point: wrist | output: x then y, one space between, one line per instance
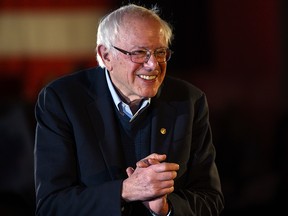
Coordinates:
168 211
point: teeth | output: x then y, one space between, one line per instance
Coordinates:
146 77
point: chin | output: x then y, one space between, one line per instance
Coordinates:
150 95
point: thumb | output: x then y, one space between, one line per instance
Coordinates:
155 156
129 171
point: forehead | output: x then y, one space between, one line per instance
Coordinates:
141 31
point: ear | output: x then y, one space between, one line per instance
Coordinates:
105 56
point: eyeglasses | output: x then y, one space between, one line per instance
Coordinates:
143 55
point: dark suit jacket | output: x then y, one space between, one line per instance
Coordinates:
79 167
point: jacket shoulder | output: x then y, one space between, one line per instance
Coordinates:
83 76
77 84
180 88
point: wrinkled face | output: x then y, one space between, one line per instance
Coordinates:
134 80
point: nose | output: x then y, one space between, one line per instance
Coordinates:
151 61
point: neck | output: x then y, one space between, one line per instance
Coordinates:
134 105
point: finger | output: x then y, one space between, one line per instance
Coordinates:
166 176
129 171
150 160
146 162
165 167
143 163
159 157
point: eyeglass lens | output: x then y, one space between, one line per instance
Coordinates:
141 56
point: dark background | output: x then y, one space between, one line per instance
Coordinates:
234 50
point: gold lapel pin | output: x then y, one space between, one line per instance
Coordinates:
163 131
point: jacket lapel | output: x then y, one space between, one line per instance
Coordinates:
104 121
163 118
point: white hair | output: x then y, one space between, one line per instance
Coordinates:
109 25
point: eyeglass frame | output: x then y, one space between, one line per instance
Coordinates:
148 54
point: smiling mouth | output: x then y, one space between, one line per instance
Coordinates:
147 77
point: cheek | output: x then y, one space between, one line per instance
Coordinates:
123 63
125 71
163 70
118 67
163 67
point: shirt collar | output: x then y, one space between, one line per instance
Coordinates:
121 106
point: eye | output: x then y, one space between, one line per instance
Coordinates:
161 52
139 53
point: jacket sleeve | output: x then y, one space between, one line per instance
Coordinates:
198 190
59 190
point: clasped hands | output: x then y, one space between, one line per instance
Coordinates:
150 182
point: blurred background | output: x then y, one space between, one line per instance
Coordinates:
234 50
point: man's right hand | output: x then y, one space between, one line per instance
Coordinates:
150 182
